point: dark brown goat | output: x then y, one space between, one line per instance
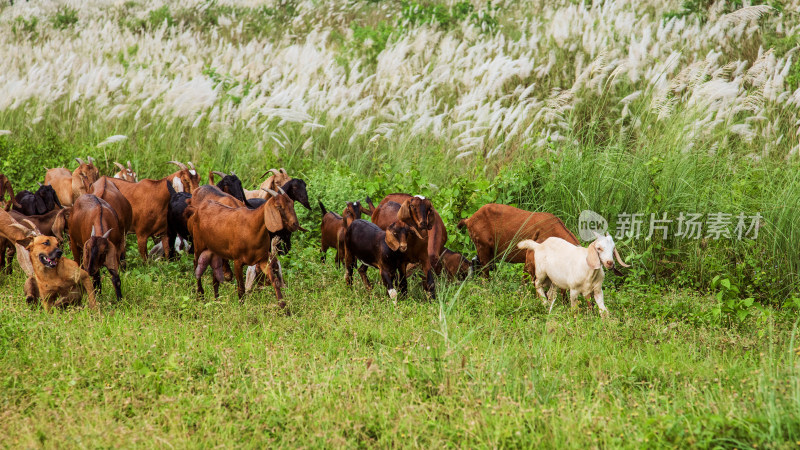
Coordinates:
149 200
496 229
333 227
97 239
383 250
240 235
6 189
455 265
52 223
429 231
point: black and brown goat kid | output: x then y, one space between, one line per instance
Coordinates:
384 250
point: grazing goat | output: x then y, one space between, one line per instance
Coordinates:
105 189
126 173
241 235
97 239
571 267
54 280
5 188
429 231
34 204
69 186
333 227
495 230
149 200
384 250
455 265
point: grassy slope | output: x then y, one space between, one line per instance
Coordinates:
486 366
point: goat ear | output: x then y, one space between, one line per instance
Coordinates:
58 224
272 218
592 257
404 214
391 241
431 219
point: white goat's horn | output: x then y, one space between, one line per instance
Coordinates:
280 189
108 232
92 235
270 192
222 174
283 171
619 260
191 166
80 161
119 166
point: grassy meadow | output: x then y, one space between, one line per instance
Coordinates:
651 107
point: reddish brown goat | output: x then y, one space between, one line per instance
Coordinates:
428 227
238 234
52 223
69 186
6 189
455 265
13 233
496 229
97 239
105 189
334 226
149 200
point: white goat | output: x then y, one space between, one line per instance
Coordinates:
578 269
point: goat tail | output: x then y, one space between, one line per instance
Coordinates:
322 207
528 244
462 223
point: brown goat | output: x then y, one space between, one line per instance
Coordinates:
496 229
149 200
126 173
333 228
69 186
241 235
418 212
5 188
52 223
97 239
455 265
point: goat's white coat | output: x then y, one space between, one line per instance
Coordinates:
571 267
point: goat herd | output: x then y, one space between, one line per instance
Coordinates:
225 222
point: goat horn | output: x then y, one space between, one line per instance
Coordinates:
80 161
270 192
92 234
32 226
282 170
274 171
280 189
191 166
108 232
130 166
222 174
178 163
40 184
91 160
619 260
119 166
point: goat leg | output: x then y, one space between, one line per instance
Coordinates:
201 262
116 282
403 280
141 242
217 274
238 271
388 282
362 270
96 282
168 252
275 279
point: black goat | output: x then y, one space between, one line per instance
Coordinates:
176 222
41 202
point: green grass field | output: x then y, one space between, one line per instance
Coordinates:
639 107
483 366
